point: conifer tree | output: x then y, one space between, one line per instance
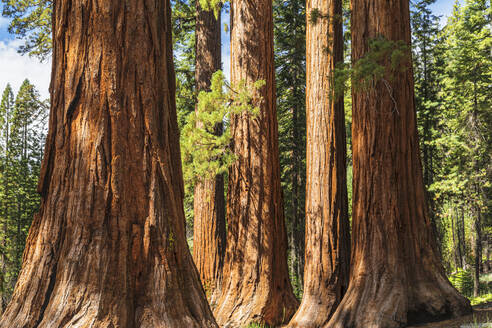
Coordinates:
466 122
23 132
290 65
6 188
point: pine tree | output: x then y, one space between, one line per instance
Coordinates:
23 134
6 192
31 21
425 41
290 64
465 136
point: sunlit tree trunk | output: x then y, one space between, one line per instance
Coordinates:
209 228
256 285
327 226
108 247
396 275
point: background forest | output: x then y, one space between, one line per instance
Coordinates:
453 79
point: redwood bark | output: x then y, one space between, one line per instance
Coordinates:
209 228
327 226
396 275
256 285
108 247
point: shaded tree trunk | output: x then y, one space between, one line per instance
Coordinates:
327 225
396 275
456 248
256 285
108 247
209 228
478 251
297 229
461 239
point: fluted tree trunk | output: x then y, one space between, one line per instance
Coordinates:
209 228
396 275
108 247
327 226
256 285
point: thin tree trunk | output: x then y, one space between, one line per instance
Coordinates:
297 254
461 239
108 247
478 252
5 207
396 276
327 225
456 248
256 285
209 228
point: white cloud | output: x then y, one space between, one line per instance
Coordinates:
14 68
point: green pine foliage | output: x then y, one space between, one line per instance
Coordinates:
31 21
23 123
206 153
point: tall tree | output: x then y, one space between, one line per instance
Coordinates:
22 134
209 228
108 247
256 285
27 141
327 225
425 40
6 112
396 275
467 119
290 63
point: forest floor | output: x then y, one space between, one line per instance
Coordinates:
481 318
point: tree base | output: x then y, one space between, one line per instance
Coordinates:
384 302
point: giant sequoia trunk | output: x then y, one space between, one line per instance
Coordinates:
327 226
256 285
209 230
396 275
108 248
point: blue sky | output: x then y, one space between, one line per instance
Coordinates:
14 68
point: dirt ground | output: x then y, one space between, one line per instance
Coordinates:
481 318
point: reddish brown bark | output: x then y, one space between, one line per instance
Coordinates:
396 275
209 228
327 226
256 285
108 247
